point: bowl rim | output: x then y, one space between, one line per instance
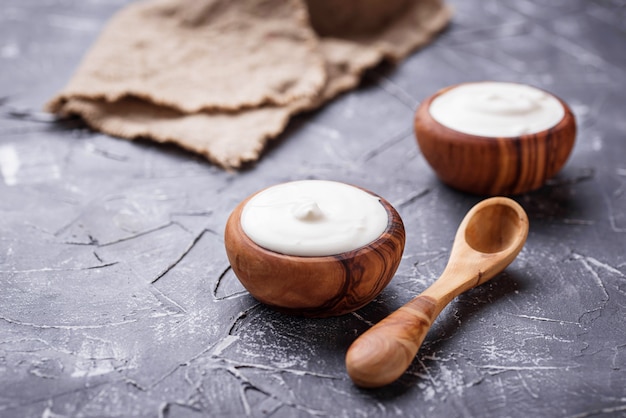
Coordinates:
444 132
395 225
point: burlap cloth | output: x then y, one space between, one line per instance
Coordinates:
222 77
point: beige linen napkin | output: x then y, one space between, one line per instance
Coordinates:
221 77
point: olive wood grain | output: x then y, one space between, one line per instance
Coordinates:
488 239
315 286
493 166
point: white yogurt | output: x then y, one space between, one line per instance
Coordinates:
497 109
313 218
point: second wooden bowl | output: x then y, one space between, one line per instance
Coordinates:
318 286
493 166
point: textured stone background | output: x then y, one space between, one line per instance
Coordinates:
116 297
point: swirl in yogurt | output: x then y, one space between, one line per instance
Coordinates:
497 109
313 218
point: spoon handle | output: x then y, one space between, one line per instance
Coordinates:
386 350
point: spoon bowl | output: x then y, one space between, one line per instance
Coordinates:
489 238
493 227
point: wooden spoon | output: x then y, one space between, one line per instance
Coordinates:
489 238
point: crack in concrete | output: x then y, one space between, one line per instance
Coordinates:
186 251
66 327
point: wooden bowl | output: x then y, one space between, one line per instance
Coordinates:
318 286
493 166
